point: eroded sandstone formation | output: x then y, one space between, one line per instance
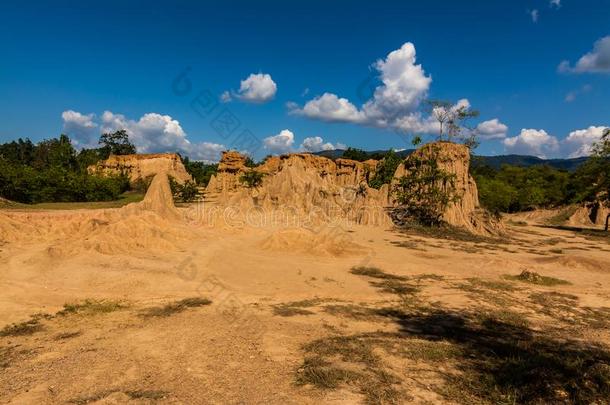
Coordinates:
307 188
143 166
591 214
321 189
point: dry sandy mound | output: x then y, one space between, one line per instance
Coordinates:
593 214
152 224
327 241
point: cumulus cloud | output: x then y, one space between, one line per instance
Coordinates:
532 142
81 128
578 143
284 142
491 129
316 144
394 103
151 133
539 143
280 143
595 61
256 88
329 107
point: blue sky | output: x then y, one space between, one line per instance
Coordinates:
86 67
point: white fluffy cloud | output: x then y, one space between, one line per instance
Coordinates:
256 88
280 143
284 143
394 103
151 133
539 143
578 143
595 61
330 107
81 128
316 144
532 142
492 129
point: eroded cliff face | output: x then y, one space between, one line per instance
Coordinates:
142 166
320 189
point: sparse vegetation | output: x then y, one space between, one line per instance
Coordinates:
67 335
384 172
154 395
297 307
175 307
92 307
532 277
184 192
22 328
252 178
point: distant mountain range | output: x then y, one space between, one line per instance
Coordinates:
493 161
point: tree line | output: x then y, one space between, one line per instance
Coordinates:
53 171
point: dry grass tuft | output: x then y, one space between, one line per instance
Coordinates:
174 307
92 307
532 277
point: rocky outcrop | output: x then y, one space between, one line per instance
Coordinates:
305 187
321 189
143 166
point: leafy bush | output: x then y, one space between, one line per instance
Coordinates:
185 192
384 173
252 179
426 190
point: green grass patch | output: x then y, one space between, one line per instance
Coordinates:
125 198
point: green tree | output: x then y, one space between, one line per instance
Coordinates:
200 171
384 172
116 143
426 190
355 154
252 178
